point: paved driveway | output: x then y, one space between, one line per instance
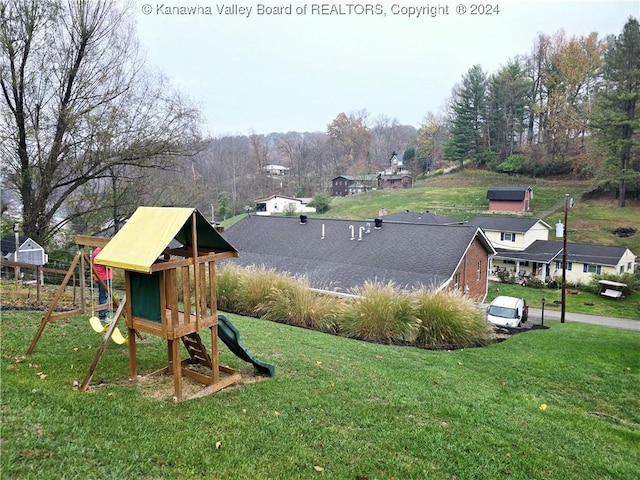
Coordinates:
535 316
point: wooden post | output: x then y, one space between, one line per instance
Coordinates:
564 260
194 248
174 348
133 363
39 278
83 300
54 303
103 346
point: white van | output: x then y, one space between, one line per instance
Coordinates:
508 311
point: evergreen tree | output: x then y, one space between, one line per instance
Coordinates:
508 97
617 120
468 132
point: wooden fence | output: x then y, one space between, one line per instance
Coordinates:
34 273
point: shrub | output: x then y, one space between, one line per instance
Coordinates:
227 288
631 281
321 202
379 313
504 276
449 320
296 304
535 282
244 290
256 284
512 165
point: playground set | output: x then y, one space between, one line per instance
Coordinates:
168 255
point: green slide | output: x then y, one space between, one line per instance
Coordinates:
228 333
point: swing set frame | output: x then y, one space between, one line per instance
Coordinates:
81 260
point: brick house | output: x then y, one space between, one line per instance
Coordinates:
339 255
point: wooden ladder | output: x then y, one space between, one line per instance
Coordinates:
197 351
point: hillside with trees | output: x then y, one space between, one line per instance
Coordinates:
98 132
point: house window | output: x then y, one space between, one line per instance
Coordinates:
621 269
559 265
456 281
507 236
591 268
479 271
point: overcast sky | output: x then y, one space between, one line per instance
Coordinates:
250 72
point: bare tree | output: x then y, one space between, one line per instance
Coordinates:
77 104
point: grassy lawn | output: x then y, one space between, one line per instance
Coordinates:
577 302
464 195
337 408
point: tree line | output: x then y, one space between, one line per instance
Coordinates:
89 132
567 107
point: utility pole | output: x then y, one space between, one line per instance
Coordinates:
564 259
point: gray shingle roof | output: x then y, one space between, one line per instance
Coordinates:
507 193
358 178
546 251
8 243
505 224
407 254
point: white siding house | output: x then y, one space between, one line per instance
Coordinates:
280 204
524 251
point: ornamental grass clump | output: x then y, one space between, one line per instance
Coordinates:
227 287
448 320
379 313
256 284
243 290
296 304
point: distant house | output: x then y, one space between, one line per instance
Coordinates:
29 251
396 166
395 175
344 185
283 204
523 249
395 181
510 199
512 233
276 170
339 255
543 260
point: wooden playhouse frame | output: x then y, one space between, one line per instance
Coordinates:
171 294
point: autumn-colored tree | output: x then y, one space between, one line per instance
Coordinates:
349 139
572 71
617 119
431 139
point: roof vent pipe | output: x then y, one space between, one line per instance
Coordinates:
378 223
303 219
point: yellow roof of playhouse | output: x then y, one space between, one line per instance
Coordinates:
150 230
